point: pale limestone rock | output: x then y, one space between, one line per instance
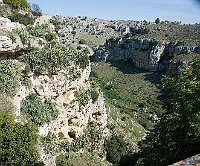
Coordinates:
44 19
6 24
5 44
154 57
72 117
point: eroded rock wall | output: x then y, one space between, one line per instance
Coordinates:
145 53
73 117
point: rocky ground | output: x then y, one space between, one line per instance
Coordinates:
192 161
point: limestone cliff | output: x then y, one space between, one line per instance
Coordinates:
145 53
68 87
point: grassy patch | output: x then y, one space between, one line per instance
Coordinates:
131 94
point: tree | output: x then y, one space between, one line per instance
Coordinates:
115 149
18 142
157 21
177 136
36 10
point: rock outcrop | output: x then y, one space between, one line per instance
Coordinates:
60 88
73 115
144 53
192 161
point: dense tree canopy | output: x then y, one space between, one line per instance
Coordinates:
115 149
177 136
18 142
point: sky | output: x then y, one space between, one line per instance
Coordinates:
187 11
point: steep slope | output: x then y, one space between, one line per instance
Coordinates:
50 86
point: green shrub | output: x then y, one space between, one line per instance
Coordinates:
73 32
55 23
13 3
82 97
50 143
9 77
115 149
47 61
62 160
82 41
78 144
18 142
94 136
25 19
24 80
42 31
79 48
157 21
82 60
5 104
154 42
60 135
17 4
24 4
39 112
1 11
49 36
94 95
24 35
53 144
50 61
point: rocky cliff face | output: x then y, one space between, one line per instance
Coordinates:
73 115
71 95
145 53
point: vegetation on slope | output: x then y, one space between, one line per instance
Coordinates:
115 149
131 97
39 112
18 142
131 90
84 150
177 136
11 8
51 60
17 4
9 77
131 94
